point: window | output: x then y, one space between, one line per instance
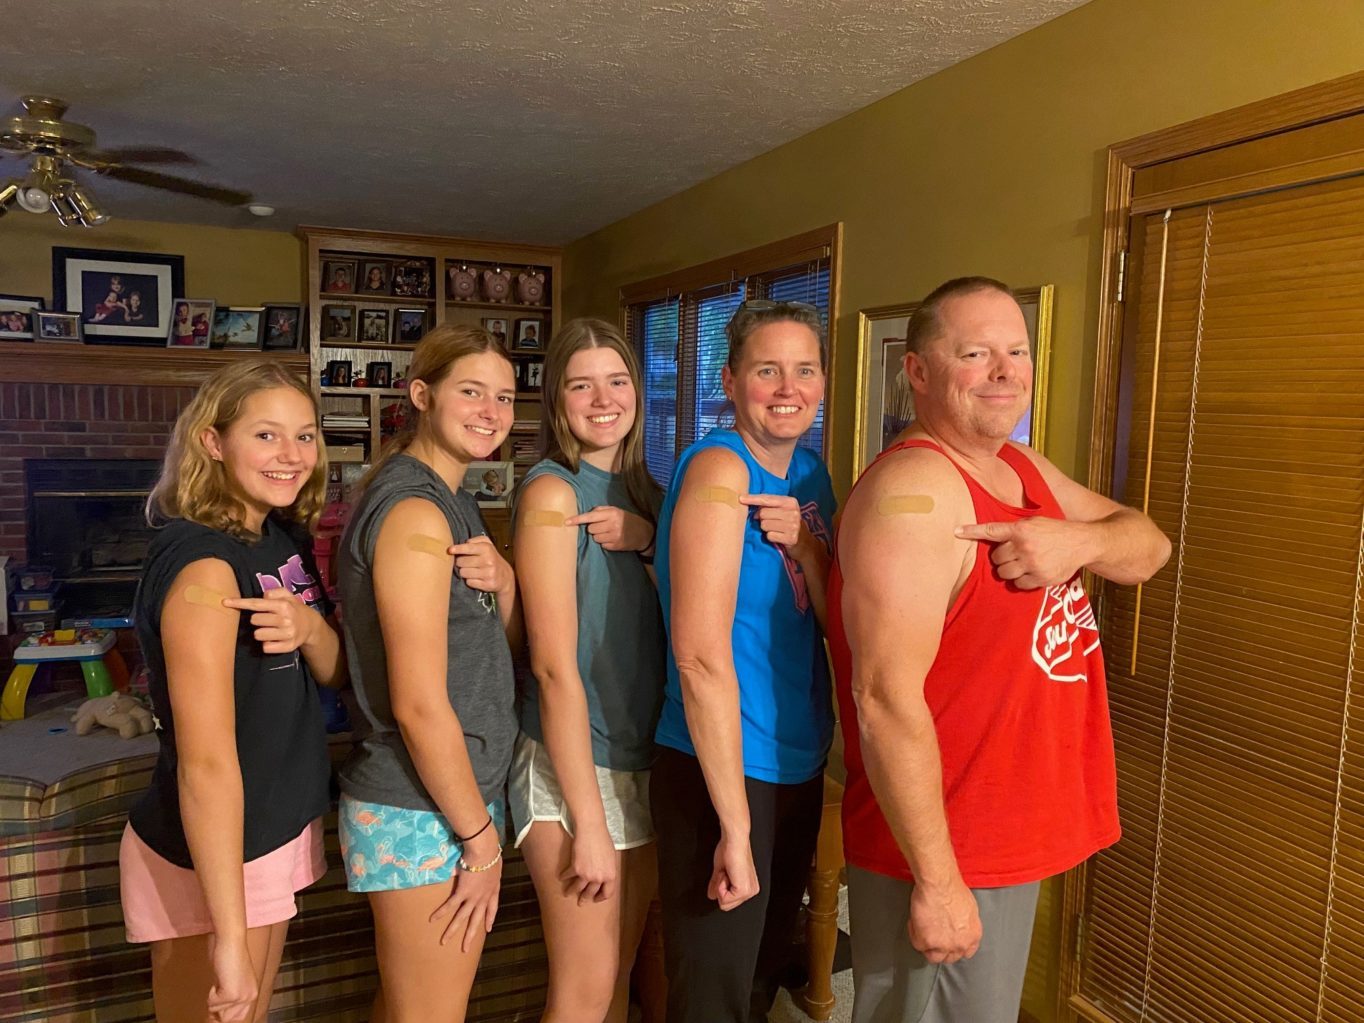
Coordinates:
678 325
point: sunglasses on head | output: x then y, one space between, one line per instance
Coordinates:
762 305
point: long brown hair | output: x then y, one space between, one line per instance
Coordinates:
194 486
432 360
559 442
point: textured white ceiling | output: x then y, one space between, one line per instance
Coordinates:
514 119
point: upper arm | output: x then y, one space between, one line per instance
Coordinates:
200 645
1078 502
705 551
547 573
901 571
412 595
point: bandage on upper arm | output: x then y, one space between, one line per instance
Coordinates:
717 495
542 517
204 597
424 544
905 504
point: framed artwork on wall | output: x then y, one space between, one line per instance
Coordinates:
885 402
122 297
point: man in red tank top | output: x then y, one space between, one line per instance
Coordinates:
969 675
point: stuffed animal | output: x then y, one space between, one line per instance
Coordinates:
118 711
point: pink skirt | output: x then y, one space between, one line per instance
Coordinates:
161 900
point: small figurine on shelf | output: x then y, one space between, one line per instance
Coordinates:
496 285
462 285
400 381
530 287
359 381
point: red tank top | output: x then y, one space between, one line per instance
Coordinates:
1018 698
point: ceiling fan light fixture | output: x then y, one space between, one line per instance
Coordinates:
85 207
41 186
7 194
65 208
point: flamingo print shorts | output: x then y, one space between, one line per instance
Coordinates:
387 848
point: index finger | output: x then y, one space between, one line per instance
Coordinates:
992 532
249 603
597 514
765 500
473 545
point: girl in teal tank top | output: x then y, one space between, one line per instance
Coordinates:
579 788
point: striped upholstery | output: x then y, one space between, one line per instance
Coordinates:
63 958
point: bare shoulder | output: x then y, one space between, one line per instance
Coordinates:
716 467
919 479
416 515
547 492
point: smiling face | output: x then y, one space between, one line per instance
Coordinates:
468 414
975 378
268 452
599 403
778 384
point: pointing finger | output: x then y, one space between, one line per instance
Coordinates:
592 515
992 532
764 500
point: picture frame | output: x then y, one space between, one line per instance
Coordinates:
409 326
529 374
237 327
338 322
379 374
282 327
375 277
374 326
338 276
498 327
884 404
122 297
530 335
58 327
191 323
339 373
411 279
489 483
16 316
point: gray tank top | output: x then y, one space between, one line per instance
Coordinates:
621 654
478 679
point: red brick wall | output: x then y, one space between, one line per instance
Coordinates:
75 421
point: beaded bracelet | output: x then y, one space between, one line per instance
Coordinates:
464 866
486 824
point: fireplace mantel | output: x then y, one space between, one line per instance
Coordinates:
44 363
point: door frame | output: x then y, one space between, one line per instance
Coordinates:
1340 97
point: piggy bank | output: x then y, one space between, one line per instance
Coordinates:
530 287
463 283
496 285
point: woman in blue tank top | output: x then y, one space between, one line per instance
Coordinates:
743 555
580 778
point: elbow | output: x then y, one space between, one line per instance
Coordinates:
554 678
1161 555
697 670
415 716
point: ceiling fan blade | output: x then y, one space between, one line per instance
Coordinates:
138 154
200 190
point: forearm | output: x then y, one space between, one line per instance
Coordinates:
568 737
710 698
509 612
325 654
435 741
211 810
1126 547
814 563
900 753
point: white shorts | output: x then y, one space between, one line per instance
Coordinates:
533 794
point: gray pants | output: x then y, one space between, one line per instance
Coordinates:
893 983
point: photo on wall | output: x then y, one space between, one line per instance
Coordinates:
490 483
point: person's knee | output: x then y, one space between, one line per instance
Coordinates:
583 994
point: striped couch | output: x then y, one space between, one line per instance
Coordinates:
63 958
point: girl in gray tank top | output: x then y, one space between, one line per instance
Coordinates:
427 606
579 781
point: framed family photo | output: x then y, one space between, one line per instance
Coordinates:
122 297
408 326
191 323
885 401
61 327
338 323
282 327
490 483
338 276
374 326
16 316
530 335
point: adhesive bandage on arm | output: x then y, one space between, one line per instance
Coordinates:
424 544
718 495
542 517
204 597
905 504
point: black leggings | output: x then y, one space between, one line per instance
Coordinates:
723 967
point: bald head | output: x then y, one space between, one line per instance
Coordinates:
926 324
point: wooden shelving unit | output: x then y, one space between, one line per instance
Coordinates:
441 253
33 361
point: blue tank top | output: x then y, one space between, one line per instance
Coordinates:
784 696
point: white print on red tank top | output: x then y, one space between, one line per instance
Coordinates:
1066 633
809 514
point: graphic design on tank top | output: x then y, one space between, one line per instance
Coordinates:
1066 633
814 522
294 578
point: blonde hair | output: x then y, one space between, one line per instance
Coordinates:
194 486
559 442
435 354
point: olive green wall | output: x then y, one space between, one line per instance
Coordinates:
994 166
231 266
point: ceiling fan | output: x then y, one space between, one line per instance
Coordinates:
54 147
